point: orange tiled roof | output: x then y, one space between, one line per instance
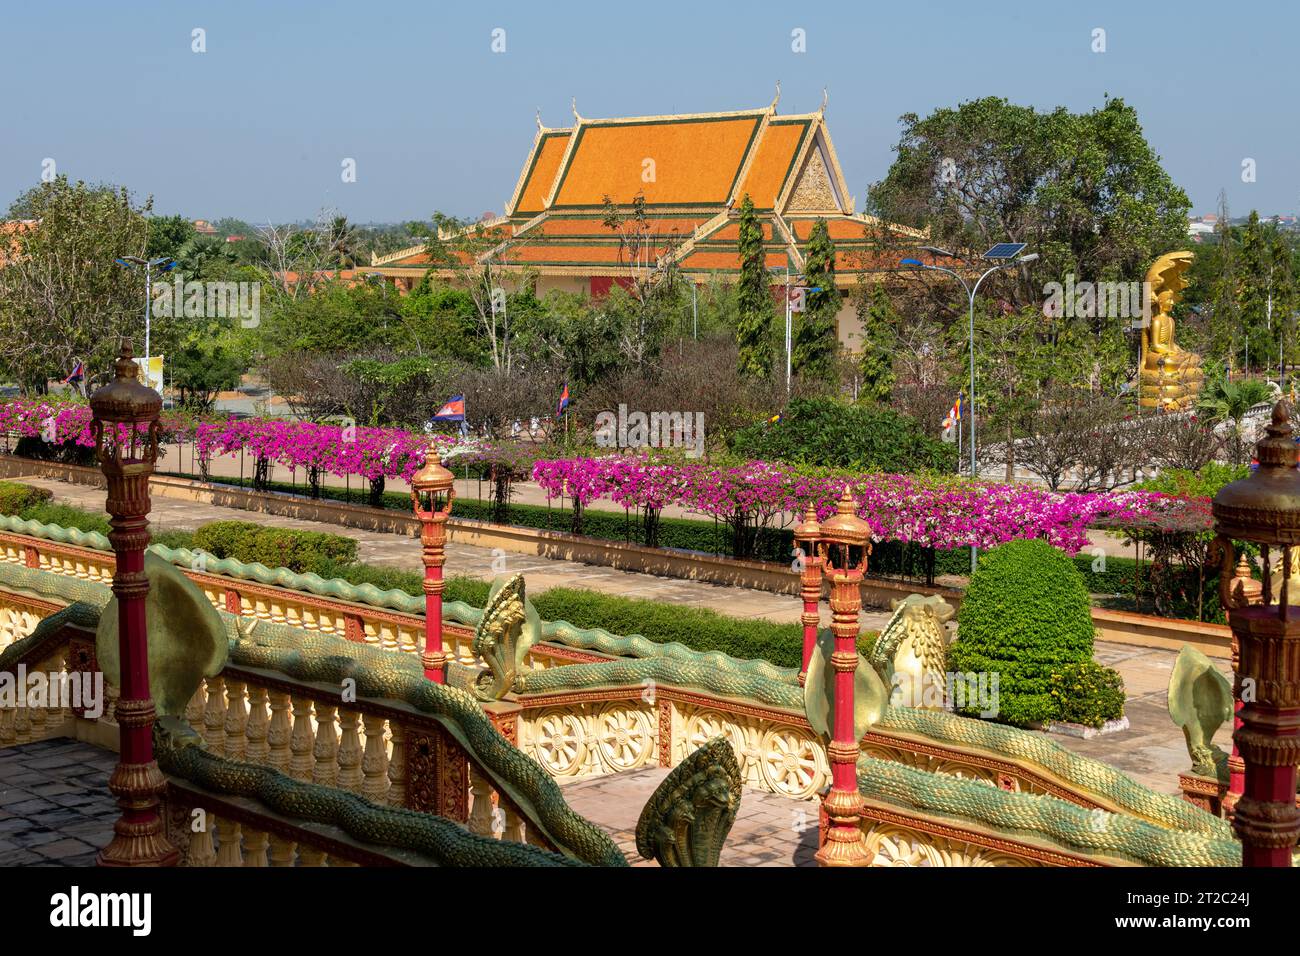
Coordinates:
678 162
604 253
773 159
540 175
592 227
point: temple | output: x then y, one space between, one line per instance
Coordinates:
692 171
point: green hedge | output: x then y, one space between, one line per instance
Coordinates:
300 551
1026 616
698 628
827 432
16 497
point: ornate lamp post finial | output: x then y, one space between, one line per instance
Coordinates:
124 423
1264 508
809 563
845 545
432 492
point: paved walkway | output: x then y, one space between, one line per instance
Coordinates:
55 808
1151 750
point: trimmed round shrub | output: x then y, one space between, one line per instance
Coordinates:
1088 693
1025 616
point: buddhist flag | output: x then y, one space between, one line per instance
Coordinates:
77 374
453 411
952 421
564 401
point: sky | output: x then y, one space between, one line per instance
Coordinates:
258 126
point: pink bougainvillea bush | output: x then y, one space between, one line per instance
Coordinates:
334 449
932 511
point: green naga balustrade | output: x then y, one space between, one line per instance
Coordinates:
1150 829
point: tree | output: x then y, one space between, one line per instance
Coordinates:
470 252
880 324
62 296
167 235
826 432
651 290
1076 438
753 298
200 370
1085 190
816 338
338 317
343 240
1227 401
1266 292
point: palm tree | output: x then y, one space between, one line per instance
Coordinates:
342 239
1228 401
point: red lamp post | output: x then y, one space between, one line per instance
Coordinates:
845 544
125 426
806 535
432 491
1264 508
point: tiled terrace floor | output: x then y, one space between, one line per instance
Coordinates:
55 808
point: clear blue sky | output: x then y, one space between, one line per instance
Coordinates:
258 125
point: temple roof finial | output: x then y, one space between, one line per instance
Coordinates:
776 99
540 127
574 106
825 97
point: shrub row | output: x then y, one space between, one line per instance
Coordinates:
34 504
299 551
16 497
698 628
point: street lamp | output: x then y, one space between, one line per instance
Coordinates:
432 491
1004 255
124 423
162 264
845 545
806 534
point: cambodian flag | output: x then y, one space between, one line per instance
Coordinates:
564 401
77 374
453 411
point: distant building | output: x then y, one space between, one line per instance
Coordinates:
204 228
693 172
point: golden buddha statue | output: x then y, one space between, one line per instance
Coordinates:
1170 377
